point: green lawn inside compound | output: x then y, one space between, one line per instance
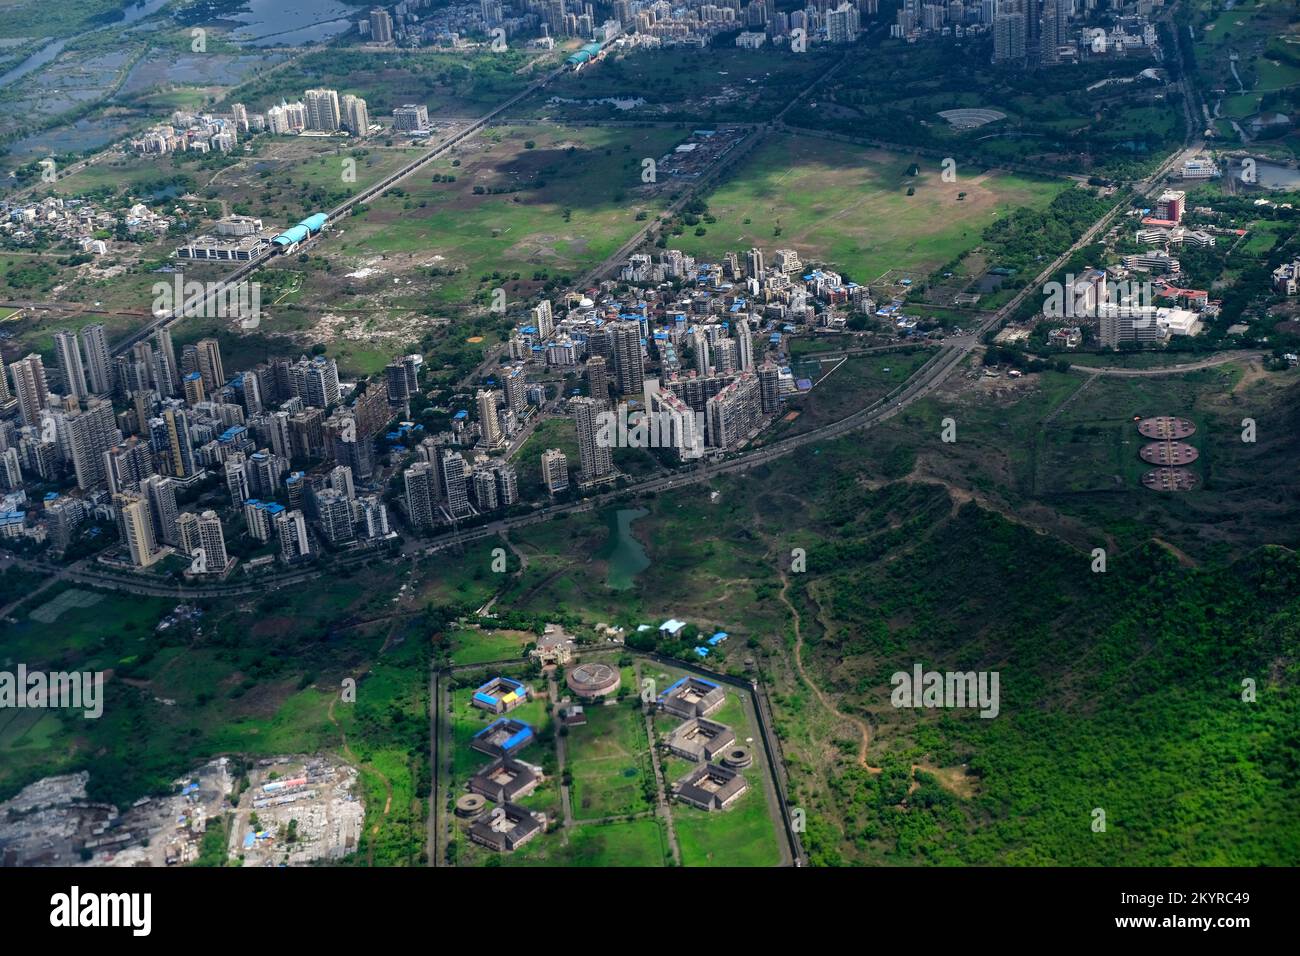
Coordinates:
847 207
631 843
641 842
610 761
741 835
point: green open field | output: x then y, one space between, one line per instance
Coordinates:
524 201
472 646
468 581
610 762
697 572
846 385
847 207
1133 360
639 842
741 835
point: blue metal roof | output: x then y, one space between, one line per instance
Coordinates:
673 686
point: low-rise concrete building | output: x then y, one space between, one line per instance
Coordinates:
501 695
553 647
506 780
502 738
710 787
692 697
700 740
507 828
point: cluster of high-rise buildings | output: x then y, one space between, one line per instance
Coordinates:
319 112
815 23
1143 297
1027 29
647 23
677 354
122 437
444 486
1043 32
1022 29
460 473
1048 32
673 356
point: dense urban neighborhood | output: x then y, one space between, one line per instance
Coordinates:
741 434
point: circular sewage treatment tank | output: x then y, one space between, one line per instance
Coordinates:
737 758
1169 454
470 805
1170 479
593 680
1166 428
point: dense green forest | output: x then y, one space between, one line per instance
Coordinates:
1120 691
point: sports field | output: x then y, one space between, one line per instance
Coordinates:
847 207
